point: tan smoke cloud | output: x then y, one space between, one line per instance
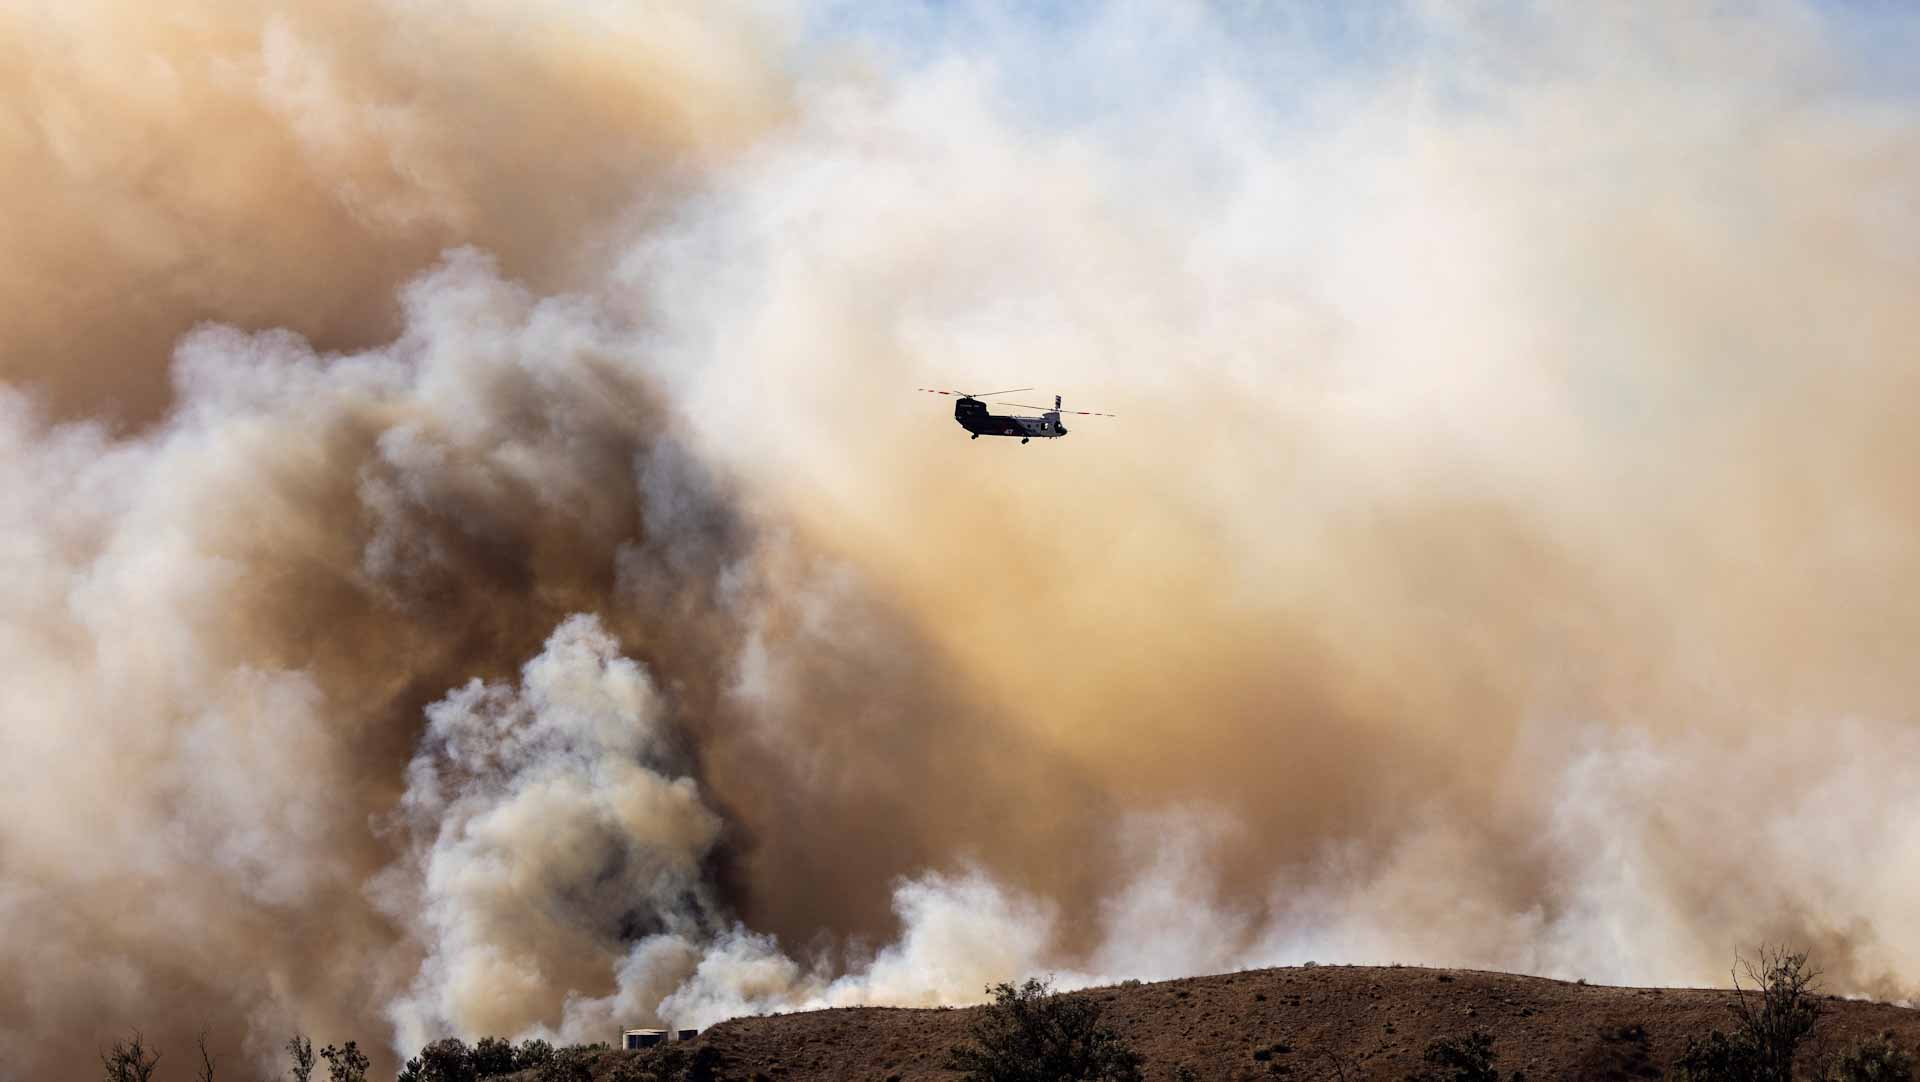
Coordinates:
1498 558
290 165
225 631
1509 432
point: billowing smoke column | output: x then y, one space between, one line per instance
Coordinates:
557 789
473 563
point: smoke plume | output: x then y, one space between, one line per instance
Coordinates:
474 562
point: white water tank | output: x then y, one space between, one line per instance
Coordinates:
634 1039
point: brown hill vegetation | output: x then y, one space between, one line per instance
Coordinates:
1314 1022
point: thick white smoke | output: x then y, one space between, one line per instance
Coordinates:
559 789
554 846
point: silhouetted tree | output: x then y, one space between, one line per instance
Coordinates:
129 1060
533 1053
1770 1023
300 1050
445 1060
206 1060
346 1063
1029 1034
450 1060
494 1056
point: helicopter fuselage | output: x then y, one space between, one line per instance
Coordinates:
973 416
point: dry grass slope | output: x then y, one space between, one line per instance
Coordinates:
1296 1023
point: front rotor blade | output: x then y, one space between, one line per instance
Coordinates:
1050 409
1009 390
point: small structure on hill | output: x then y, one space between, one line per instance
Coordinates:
635 1039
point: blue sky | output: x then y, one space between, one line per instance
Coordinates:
1048 51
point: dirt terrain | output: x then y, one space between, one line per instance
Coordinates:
1317 1022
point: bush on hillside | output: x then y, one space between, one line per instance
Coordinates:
598 1063
445 1060
1460 1059
570 1064
1876 1059
494 1056
661 1063
450 1060
1029 1034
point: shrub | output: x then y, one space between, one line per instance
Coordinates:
661 1063
1029 1034
445 1060
1715 1058
1277 1048
1628 1032
571 1064
1625 1052
1460 1059
705 1065
1767 1031
494 1056
665 1063
1876 1059
532 1054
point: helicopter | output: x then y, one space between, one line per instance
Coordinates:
972 414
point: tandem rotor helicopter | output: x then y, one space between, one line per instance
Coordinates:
972 414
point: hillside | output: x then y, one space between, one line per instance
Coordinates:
1298 1023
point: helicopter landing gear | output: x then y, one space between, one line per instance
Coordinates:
975 436
1023 439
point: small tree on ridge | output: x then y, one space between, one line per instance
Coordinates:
1771 1021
